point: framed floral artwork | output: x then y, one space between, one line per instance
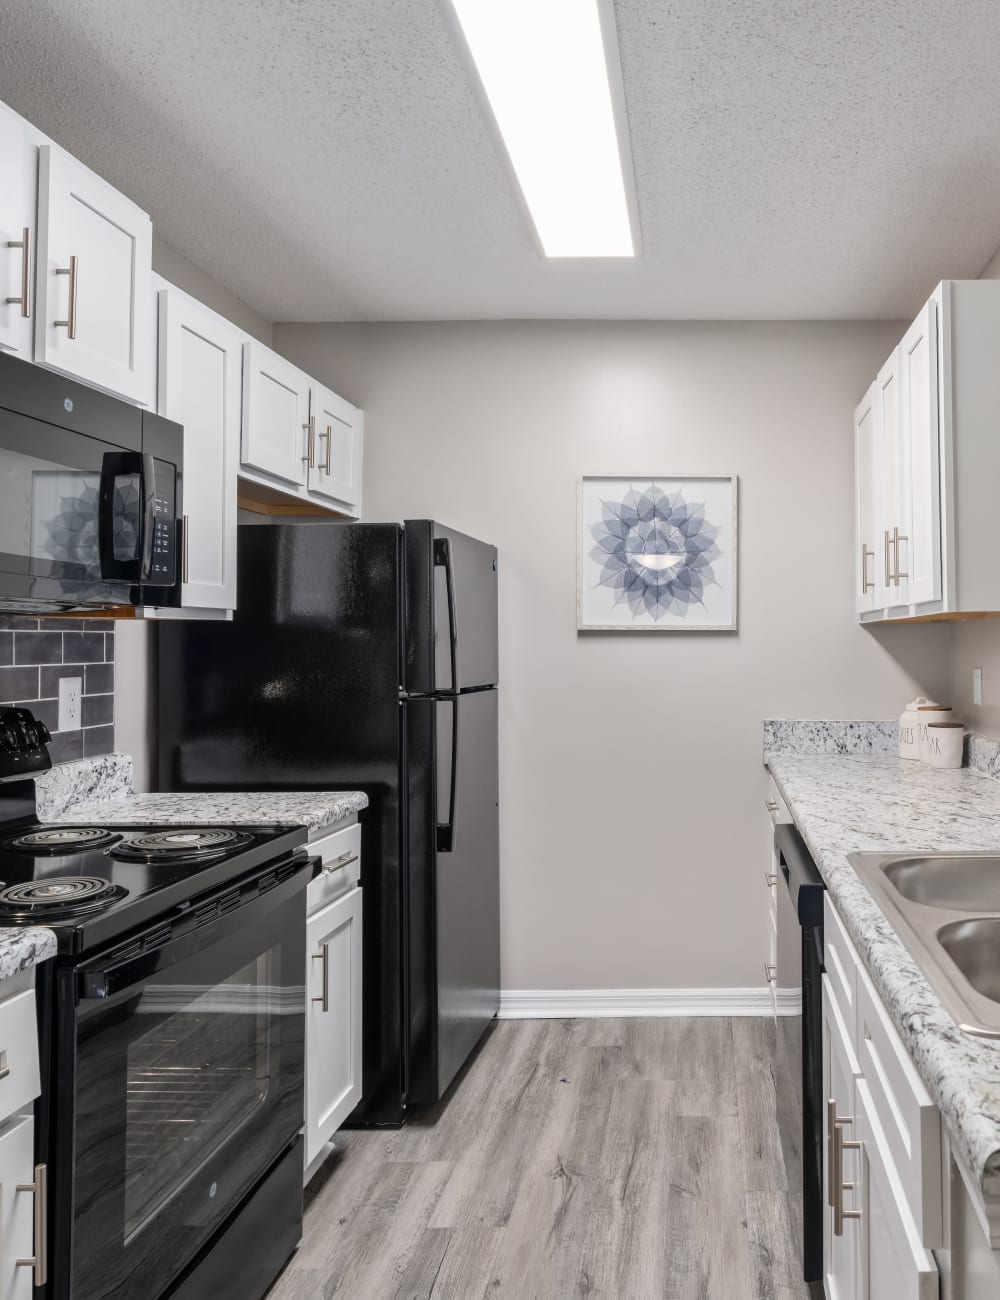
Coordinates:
657 554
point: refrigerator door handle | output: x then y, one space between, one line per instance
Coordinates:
442 557
446 830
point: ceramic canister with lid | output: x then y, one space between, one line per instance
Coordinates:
944 744
926 714
909 743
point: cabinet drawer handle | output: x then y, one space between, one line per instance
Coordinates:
184 551
324 956
888 566
770 805
38 1261
770 971
309 459
344 860
24 244
837 1145
327 434
4 1067
770 879
898 537
70 322
866 586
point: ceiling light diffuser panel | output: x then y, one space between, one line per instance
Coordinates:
543 66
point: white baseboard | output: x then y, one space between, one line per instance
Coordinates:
572 1004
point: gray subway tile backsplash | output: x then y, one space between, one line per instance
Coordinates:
36 653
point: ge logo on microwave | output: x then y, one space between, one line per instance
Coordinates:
67 403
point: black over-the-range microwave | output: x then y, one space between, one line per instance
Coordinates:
90 497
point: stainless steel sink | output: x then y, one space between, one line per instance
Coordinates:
945 908
954 881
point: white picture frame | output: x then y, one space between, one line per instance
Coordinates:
658 553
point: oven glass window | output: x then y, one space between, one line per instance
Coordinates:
195 1077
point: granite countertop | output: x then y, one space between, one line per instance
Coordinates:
842 803
24 946
313 809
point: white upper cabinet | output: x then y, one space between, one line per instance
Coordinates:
866 506
94 313
919 555
278 439
927 461
17 231
200 386
339 434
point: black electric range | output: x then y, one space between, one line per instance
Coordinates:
171 1026
90 884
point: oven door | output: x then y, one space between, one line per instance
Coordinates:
187 1084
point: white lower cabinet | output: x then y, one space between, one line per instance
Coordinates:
18 1220
842 1229
333 1019
894 1263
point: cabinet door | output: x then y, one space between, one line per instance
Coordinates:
333 1020
866 504
841 1251
893 1262
893 513
17 230
17 1218
920 553
338 431
95 316
200 386
278 440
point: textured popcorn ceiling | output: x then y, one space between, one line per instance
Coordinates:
327 159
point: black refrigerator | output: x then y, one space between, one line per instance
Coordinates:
364 656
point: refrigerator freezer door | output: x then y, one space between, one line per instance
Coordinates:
451 610
454 894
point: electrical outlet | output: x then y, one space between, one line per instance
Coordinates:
70 690
977 686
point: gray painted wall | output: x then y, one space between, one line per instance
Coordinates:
633 836
176 268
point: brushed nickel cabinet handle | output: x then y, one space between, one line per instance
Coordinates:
770 879
888 566
72 271
309 459
24 244
770 971
184 552
344 860
4 1067
327 433
896 539
837 1188
866 586
324 956
39 1261
770 805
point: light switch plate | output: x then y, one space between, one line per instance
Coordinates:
70 690
977 686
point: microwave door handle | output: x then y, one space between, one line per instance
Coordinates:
147 496
106 516
115 465
442 557
446 830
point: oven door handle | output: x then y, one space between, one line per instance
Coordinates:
128 965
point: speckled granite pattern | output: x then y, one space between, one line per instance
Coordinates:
983 755
310 808
24 946
829 736
843 804
106 777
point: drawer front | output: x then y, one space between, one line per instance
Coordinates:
340 854
17 1209
19 1084
906 1114
842 964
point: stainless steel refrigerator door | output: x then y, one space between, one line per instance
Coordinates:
451 610
454 884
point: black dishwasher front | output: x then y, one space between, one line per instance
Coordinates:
799 1070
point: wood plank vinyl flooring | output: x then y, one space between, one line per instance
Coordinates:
600 1159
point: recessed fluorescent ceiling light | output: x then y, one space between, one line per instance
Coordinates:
542 65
